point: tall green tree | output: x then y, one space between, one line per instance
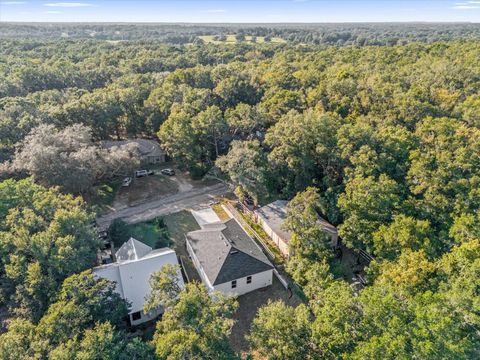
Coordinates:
280 331
195 324
45 237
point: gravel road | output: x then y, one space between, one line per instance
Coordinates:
195 198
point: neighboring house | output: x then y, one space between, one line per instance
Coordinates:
272 217
228 260
135 263
150 150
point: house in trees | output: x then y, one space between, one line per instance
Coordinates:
135 263
272 217
150 150
227 259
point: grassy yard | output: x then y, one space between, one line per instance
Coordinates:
178 225
103 195
220 212
149 234
152 233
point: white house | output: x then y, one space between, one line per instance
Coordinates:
227 259
135 263
272 218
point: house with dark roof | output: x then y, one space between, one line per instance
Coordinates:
227 259
272 218
150 150
131 272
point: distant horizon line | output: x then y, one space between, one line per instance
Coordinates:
236 23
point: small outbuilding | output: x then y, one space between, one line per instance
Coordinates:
272 219
228 260
134 265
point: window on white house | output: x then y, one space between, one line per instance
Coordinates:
249 279
136 315
234 284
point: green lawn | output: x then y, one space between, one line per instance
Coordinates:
149 234
103 195
220 212
178 225
153 233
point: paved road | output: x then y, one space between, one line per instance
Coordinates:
195 198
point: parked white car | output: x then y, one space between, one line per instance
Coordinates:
127 181
141 173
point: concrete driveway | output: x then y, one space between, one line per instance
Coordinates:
196 198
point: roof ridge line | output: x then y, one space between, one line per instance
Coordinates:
221 267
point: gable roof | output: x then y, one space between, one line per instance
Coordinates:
132 276
226 252
132 250
274 215
145 146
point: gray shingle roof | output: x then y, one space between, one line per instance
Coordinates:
227 253
145 146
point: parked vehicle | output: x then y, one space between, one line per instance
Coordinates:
127 181
168 172
150 172
103 234
141 173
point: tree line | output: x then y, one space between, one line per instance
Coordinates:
341 34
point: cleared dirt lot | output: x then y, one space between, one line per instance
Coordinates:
144 189
249 304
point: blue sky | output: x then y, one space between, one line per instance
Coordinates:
268 11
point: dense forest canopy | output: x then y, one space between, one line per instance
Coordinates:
381 137
332 34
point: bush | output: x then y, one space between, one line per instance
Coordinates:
119 232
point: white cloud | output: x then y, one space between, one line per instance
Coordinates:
52 12
215 11
465 7
68 4
12 2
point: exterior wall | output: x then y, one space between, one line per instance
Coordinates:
199 268
334 237
155 159
145 317
281 244
259 281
